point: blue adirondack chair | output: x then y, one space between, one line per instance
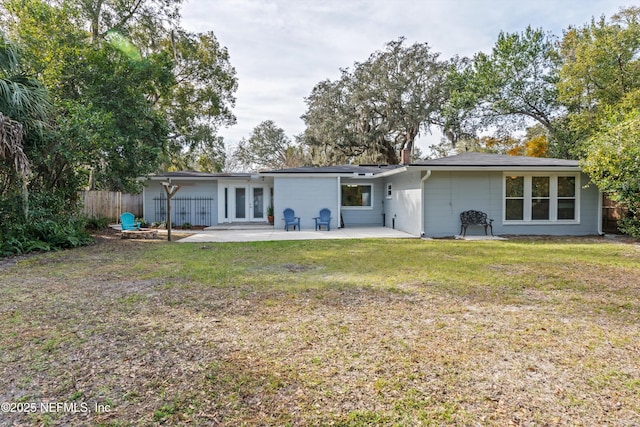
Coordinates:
323 219
128 221
290 218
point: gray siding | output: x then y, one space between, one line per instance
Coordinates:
449 193
354 217
404 208
182 212
306 196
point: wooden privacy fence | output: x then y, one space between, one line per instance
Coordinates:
110 204
612 212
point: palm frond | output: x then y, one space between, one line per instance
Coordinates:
11 135
9 61
24 99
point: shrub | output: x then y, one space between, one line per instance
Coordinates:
97 224
49 225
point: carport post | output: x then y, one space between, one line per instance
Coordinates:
170 190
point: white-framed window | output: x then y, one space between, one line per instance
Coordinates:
389 190
357 196
541 198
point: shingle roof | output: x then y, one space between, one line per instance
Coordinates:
342 169
495 160
195 174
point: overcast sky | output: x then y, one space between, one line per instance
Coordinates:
282 48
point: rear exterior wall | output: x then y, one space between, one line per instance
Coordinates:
204 212
449 193
403 206
306 196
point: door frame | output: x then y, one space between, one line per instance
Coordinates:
227 197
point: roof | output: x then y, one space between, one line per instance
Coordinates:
195 174
341 169
464 161
496 161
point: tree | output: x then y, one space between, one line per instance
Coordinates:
380 108
515 86
11 147
601 70
200 102
600 83
202 97
24 105
613 164
143 21
332 128
133 97
268 148
22 98
105 129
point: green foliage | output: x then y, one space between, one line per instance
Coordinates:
200 101
268 148
129 92
46 228
601 70
613 162
378 109
510 89
97 224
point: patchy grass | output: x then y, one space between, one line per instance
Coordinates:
346 333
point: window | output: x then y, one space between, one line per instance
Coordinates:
389 190
566 197
357 195
543 199
540 197
514 198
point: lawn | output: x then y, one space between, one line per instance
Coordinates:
346 333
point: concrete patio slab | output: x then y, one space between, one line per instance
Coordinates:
262 234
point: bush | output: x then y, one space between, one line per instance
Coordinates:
48 226
97 224
630 226
187 226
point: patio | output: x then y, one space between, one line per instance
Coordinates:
265 233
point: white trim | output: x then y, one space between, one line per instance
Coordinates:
231 187
358 208
553 199
550 169
354 175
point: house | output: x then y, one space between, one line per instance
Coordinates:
208 198
524 195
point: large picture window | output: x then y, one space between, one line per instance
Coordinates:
357 195
543 199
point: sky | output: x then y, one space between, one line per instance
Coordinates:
281 49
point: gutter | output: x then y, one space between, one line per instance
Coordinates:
422 181
476 168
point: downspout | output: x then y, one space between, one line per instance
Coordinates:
339 193
144 204
422 181
600 195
